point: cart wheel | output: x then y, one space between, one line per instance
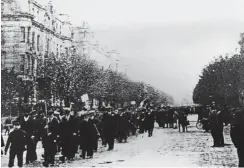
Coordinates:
199 125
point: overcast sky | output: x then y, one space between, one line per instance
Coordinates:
163 43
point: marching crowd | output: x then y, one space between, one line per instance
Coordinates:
63 131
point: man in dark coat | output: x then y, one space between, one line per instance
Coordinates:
27 124
215 127
110 127
182 119
95 121
149 120
17 140
88 136
159 118
49 139
38 127
170 117
237 134
69 129
123 128
141 123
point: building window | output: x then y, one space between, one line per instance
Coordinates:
28 64
33 40
60 29
32 66
28 35
38 42
33 10
22 65
3 56
22 34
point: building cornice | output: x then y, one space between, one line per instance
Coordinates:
42 27
19 15
37 4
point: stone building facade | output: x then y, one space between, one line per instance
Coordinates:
30 32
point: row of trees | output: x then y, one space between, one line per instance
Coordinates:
221 82
69 77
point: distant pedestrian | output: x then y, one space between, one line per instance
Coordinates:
150 122
183 121
110 127
69 128
49 139
27 124
141 123
88 137
215 128
17 142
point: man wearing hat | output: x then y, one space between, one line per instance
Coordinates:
38 127
49 139
69 131
17 142
27 125
110 127
88 136
215 127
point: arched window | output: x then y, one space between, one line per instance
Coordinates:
22 34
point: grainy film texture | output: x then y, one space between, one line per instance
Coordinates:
100 83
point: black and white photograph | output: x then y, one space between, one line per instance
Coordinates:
122 83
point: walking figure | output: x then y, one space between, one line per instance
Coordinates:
17 142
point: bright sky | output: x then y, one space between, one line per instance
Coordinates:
164 43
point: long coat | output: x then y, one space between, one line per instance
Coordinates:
49 141
237 129
149 121
30 128
68 129
88 134
16 141
110 127
123 126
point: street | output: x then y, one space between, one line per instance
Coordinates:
167 147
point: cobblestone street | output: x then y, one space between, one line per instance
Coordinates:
167 147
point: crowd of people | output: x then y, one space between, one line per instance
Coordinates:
65 131
215 117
